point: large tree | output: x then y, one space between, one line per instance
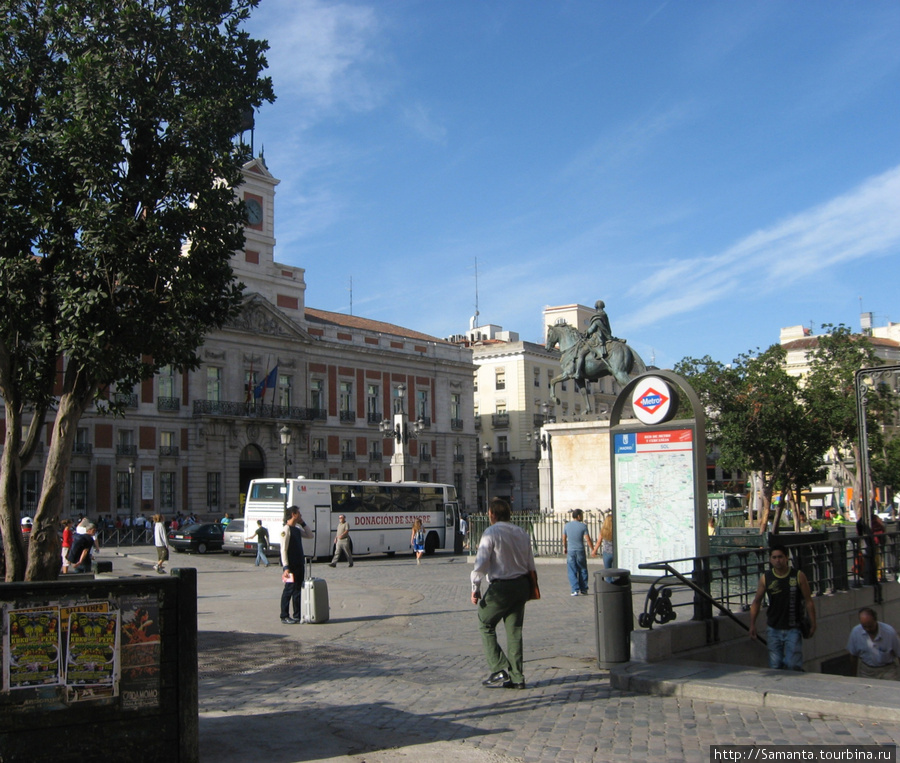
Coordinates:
829 389
118 165
757 420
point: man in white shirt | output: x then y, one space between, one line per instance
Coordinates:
505 559
874 648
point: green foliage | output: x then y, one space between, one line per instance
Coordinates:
117 125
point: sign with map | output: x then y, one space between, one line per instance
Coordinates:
654 497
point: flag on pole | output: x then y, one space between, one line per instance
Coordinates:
249 384
269 381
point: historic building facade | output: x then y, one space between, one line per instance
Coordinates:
192 441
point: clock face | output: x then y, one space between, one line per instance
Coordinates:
254 212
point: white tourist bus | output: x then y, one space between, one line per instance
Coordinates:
380 514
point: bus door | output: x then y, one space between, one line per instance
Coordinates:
451 531
322 530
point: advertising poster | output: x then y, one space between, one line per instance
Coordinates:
140 652
91 655
33 647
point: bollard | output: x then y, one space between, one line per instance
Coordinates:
613 617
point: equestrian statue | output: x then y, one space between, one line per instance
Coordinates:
592 355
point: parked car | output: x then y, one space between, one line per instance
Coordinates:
199 538
234 538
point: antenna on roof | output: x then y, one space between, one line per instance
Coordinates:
474 322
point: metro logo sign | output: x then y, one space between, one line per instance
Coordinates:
653 400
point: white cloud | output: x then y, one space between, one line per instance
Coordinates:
863 223
321 52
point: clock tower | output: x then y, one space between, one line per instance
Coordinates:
282 285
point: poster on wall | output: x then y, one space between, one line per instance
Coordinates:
654 478
92 655
32 648
140 649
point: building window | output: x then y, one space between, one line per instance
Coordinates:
123 491
317 395
425 477
78 488
422 409
213 489
458 483
166 382
125 445
537 377
373 409
549 378
500 379
284 390
347 452
475 382
81 445
29 497
374 477
375 450
501 408
318 448
424 451
347 476
346 402
167 446
502 444
167 491
213 384
318 475
456 419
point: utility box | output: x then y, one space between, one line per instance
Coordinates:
613 616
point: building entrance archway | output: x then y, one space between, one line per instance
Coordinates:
252 465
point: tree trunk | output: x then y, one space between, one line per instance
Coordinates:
10 481
44 559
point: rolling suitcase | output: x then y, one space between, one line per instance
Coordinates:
313 598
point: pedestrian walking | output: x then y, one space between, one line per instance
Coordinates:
605 543
292 561
262 544
575 535
417 540
505 560
161 541
788 591
874 648
342 543
67 536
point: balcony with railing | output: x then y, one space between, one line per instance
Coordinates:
424 457
456 424
128 399
168 451
374 417
375 455
318 455
126 450
478 422
500 457
459 458
82 449
348 417
256 410
168 403
500 420
348 455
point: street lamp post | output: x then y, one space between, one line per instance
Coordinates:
399 430
486 454
131 468
285 434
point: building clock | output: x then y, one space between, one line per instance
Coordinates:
254 212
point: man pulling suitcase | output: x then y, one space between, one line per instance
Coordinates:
292 535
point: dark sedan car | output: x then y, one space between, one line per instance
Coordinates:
199 538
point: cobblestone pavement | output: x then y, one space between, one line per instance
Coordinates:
396 674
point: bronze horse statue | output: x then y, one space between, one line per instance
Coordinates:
621 361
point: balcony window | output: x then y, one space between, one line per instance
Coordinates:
213 383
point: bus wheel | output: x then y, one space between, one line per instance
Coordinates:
431 541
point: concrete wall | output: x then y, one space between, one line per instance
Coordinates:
724 641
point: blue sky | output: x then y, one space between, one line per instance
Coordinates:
714 171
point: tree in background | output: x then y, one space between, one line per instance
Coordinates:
829 390
117 125
756 419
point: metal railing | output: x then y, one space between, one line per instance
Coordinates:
125 536
546 530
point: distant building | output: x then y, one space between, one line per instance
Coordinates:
195 439
512 401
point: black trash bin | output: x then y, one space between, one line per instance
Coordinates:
613 616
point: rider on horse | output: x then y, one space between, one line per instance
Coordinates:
595 338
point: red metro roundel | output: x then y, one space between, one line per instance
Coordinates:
653 400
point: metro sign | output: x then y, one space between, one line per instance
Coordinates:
654 401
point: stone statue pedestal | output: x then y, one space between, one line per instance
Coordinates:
575 469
